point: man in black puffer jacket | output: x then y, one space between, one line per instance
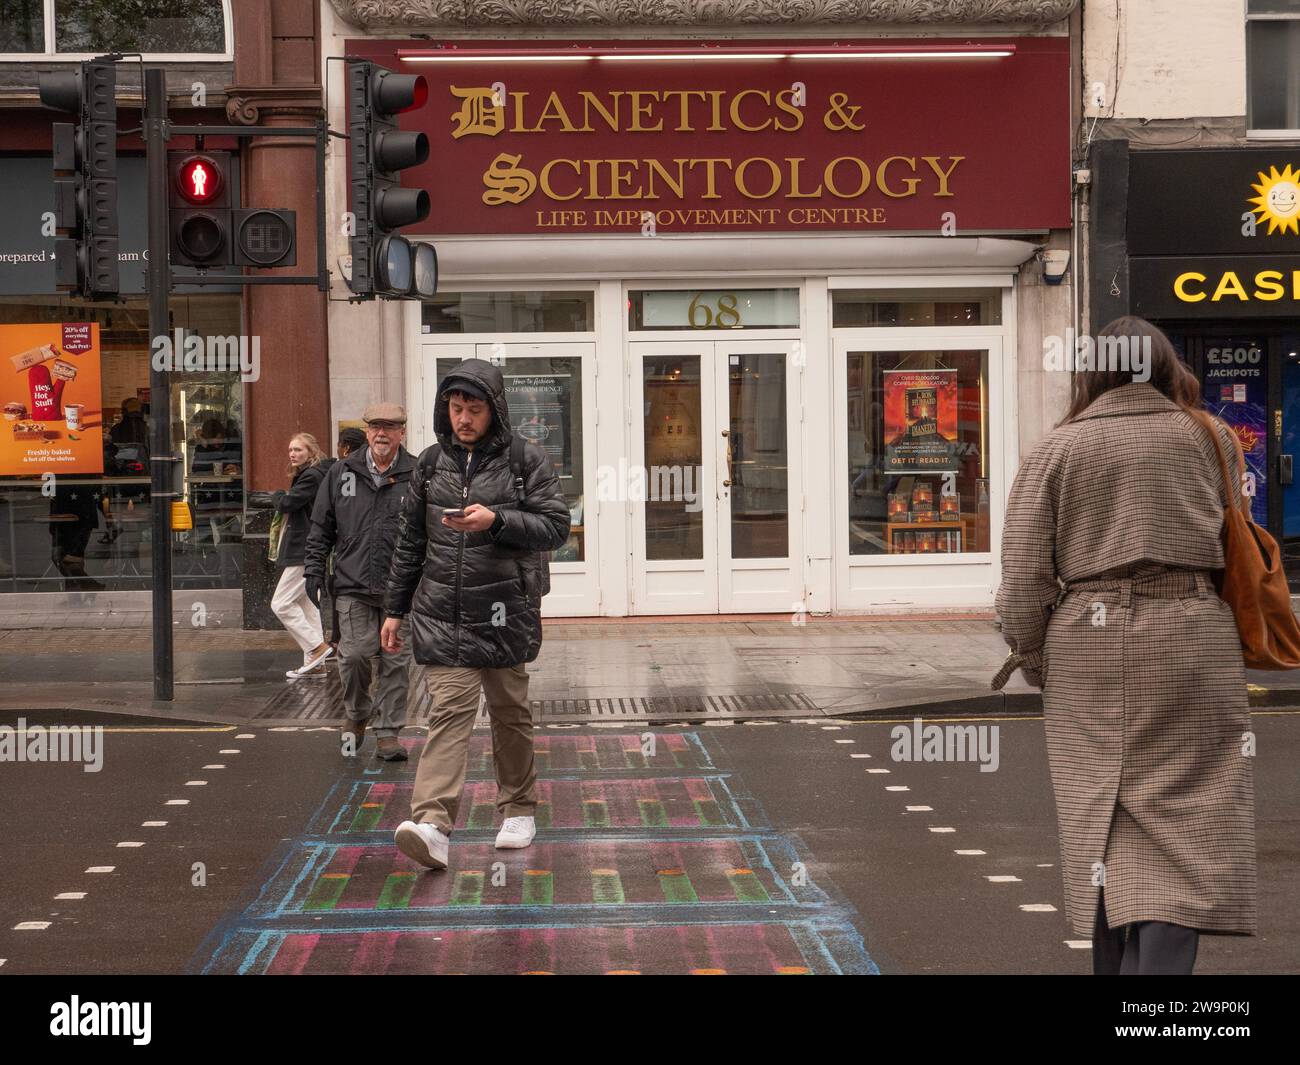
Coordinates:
468 570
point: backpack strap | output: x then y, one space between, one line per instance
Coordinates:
432 452
517 463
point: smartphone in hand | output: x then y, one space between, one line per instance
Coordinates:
458 513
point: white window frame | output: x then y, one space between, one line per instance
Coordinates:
49 54
1265 134
912 582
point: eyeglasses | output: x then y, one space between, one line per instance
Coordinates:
384 425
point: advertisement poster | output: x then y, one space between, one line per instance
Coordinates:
50 396
1237 393
539 411
920 421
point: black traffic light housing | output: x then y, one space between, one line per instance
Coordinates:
199 208
384 263
85 183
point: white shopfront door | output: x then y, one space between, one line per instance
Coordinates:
550 389
713 477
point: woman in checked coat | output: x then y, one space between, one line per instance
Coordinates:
1108 602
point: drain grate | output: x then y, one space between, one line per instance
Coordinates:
323 701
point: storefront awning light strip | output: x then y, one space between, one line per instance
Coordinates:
964 51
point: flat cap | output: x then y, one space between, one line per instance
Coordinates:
384 412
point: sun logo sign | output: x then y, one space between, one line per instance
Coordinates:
1278 202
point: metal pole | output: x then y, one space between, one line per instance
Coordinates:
161 471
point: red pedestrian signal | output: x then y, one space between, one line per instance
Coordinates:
199 179
199 214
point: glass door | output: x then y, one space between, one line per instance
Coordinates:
712 477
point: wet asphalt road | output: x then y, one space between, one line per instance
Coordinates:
774 847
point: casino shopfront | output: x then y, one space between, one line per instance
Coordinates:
764 318
1210 251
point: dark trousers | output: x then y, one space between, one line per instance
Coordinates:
1144 948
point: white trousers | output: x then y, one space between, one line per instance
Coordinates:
296 612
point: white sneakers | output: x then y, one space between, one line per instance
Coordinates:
427 844
517 832
424 843
311 666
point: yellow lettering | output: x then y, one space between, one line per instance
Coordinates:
678 186
640 109
710 176
1229 283
544 178
590 100
943 175
684 103
785 101
864 172
739 122
911 183
554 110
1180 287
617 178
772 168
795 192
1268 285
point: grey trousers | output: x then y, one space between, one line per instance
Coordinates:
359 652
1144 948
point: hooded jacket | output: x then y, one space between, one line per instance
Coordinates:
359 521
474 599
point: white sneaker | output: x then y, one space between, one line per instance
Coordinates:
311 666
517 832
424 843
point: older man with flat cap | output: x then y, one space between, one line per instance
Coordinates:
356 513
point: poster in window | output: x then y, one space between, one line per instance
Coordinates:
50 395
920 421
1237 393
540 411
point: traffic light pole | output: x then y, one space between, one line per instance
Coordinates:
161 459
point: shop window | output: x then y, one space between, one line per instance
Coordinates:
918 462
22 26
509 312
860 308
1273 64
88 527
160 27
544 396
754 308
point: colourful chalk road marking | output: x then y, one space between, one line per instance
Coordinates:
646 861
794 948
655 802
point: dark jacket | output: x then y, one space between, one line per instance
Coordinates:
474 599
296 505
359 521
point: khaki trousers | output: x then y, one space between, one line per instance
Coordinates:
440 776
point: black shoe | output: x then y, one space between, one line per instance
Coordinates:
390 749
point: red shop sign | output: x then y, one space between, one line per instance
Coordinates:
932 144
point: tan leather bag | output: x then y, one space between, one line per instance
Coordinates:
1254 584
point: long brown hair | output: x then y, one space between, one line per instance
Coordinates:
1169 374
314 452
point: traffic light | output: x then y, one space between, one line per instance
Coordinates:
384 263
85 183
200 208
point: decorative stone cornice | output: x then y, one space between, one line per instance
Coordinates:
247 105
466 14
